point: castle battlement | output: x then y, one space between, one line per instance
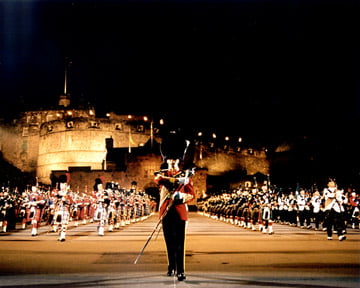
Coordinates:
51 141
46 140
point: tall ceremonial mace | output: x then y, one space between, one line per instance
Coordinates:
153 232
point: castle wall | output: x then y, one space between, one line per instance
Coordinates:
46 140
140 169
59 140
19 146
79 142
200 184
218 161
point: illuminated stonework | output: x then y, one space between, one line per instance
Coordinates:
54 142
44 141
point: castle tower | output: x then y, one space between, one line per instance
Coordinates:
64 100
78 139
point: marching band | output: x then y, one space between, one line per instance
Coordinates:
111 208
114 208
258 208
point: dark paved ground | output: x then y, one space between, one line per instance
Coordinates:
218 255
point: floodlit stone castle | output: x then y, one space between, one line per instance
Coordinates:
116 148
44 141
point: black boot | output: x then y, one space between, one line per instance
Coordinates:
171 272
181 276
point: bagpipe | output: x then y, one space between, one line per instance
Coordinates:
180 177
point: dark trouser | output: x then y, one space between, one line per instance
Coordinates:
174 233
304 217
334 219
317 216
292 217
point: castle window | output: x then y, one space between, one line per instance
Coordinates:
34 119
70 124
25 131
140 128
94 124
118 126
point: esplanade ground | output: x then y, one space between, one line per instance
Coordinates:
218 254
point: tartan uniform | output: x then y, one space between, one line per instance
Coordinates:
62 214
37 203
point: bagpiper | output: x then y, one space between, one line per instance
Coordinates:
24 210
354 203
5 204
267 219
102 204
62 210
36 203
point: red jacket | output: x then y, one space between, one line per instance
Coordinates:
165 195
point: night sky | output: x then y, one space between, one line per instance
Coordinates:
246 68
253 64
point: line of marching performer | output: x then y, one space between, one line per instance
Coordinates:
331 209
111 208
241 208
